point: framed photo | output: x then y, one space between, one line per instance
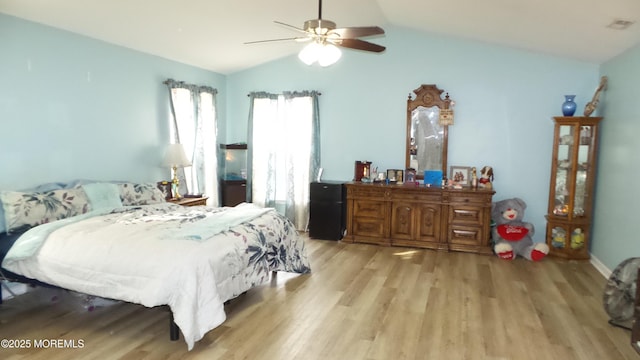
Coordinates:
410 176
460 175
165 187
395 175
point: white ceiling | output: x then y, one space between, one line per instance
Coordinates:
211 33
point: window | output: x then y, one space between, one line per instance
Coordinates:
193 124
285 152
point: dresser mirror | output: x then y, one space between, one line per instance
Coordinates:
427 130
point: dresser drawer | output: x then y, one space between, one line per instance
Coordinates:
416 196
470 198
369 209
367 192
469 215
465 235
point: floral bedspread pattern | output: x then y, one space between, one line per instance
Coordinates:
190 258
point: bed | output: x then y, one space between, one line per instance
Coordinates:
124 242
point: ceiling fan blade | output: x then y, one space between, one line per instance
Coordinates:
358 44
274 40
291 27
356 32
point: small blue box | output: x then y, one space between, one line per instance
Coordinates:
433 177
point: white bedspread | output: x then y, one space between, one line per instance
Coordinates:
164 255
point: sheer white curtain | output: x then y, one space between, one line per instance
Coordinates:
284 152
194 126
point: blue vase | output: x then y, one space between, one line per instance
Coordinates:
569 106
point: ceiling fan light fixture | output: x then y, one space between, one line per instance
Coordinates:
329 55
310 53
324 53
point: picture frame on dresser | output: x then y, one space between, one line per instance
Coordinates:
410 176
460 174
395 175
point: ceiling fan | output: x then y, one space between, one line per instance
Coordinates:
324 38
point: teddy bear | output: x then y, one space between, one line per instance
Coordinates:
511 235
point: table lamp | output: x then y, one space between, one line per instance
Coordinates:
175 157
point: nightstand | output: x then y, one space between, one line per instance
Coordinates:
189 201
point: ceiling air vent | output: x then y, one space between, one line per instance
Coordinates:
620 24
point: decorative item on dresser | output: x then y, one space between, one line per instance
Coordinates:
190 201
571 192
419 216
362 169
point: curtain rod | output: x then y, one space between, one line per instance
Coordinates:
319 93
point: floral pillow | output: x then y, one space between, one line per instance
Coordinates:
140 194
30 209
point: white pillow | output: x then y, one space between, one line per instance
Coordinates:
32 209
140 194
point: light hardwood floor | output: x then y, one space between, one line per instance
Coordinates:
359 302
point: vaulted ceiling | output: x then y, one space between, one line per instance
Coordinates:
211 33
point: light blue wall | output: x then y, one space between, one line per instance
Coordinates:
617 191
505 99
73 107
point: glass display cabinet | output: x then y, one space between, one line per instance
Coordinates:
573 170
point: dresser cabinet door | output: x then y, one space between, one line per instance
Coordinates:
428 222
403 222
415 224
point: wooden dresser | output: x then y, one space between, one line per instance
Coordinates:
419 216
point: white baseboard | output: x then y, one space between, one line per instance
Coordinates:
600 267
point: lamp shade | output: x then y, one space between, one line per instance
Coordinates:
324 53
310 53
329 55
175 156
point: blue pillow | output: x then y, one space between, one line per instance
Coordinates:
103 195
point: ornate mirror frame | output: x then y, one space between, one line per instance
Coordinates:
428 97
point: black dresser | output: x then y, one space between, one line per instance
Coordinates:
327 210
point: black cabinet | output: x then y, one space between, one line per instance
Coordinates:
233 183
327 210
234 192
